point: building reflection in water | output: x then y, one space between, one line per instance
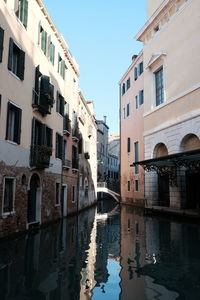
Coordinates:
103 255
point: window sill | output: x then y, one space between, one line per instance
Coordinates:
7 215
14 75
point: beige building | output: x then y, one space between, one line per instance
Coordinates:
39 133
87 153
171 103
131 132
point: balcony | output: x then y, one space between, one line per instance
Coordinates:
42 103
66 164
66 125
40 156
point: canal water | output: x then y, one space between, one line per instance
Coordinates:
107 252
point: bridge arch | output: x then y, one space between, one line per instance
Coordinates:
102 188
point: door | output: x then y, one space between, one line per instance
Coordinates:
163 190
192 190
33 207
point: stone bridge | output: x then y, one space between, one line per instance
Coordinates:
102 188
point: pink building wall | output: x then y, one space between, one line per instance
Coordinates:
131 126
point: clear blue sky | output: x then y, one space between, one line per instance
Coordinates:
100 35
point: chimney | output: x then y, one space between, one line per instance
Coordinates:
104 119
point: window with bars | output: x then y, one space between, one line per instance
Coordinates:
159 87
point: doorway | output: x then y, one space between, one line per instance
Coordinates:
163 190
34 200
192 190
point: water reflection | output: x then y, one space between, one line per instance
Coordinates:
104 253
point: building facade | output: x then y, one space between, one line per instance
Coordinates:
102 150
87 154
131 132
39 133
171 103
113 162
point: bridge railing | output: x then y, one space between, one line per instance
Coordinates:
102 184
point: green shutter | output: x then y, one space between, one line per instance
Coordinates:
52 53
24 12
56 144
49 46
21 66
17 130
63 69
10 54
1 43
16 6
62 102
9 105
44 41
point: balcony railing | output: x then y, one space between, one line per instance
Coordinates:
67 125
42 102
40 156
66 164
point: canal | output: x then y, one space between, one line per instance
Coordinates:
107 252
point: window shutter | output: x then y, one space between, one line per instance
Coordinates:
135 73
39 32
9 105
37 76
1 43
57 101
62 102
56 144
49 132
49 46
63 69
52 53
16 5
45 85
17 130
44 42
24 12
21 65
33 138
10 54
141 97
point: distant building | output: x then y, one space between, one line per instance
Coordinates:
102 150
113 162
131 132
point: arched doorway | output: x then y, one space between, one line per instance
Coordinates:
192 178
163 179
34 200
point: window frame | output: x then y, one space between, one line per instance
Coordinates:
19 72
160 87
16 130
13 196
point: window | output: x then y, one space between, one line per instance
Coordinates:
135 73
21 11
128 83
13 128
16 60
1 43
73 193
60 104
124 112
8 195
51 50
59 145
159 87
74 158
57 193
128 144
136 102
123 89
141 97
128 109
43 39
140 68
136 156
136 185
129 186
61 66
